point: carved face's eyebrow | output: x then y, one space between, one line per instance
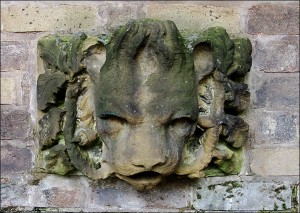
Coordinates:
176 115
126 111
108 115
185 115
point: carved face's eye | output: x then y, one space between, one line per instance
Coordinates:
110 123
180 126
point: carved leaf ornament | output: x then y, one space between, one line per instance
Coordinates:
143 103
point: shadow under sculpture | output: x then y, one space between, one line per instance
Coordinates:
157 105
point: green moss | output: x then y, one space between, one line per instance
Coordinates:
61 139
57 160
218 39
284 206
193 144
232 165
62 54
198 196
231 185
280 198
242 60
295 204
278 190
276 206
212 187
212 171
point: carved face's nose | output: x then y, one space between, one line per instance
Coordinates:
148 147
149 163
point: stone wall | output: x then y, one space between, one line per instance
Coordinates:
269 178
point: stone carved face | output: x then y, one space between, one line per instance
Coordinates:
159 105
146 102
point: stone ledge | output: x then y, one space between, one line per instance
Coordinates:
115 194
235 195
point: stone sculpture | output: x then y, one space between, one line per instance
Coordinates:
143 103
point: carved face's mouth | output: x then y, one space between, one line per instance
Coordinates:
142 180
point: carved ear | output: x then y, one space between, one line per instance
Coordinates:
203 60
214 45
70 65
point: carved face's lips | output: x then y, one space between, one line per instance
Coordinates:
142 180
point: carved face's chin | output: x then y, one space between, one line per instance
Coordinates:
142 180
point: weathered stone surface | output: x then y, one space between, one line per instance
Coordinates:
242 196
297 195
193 17
8 90
57 160
15 159
60 192
50 127
274 19
14 55
27 88
33 17
60 197
114 194
15 124
274 128
49 87
13 191
268 162
149 71
114 14
276 54
275 91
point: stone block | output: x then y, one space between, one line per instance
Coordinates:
273 129
274 19
195 17
14 56
268 162
114 194
15 159
242 196
15 124
60 198
34 17
276 54
275 91
8 90
14 192
60 192
113 15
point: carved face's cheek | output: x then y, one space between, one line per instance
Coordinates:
112 131
110 126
